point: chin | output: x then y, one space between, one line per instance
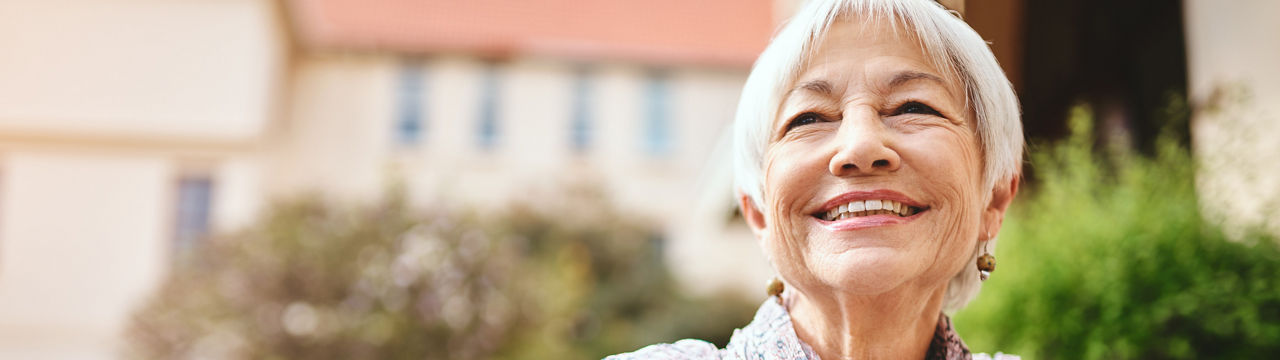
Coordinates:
865 271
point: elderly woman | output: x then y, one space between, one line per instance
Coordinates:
878 146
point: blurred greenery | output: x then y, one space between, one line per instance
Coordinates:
1107 257
572 280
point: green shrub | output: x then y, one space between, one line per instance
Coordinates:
1108 257
316 281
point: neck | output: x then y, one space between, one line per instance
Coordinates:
895 325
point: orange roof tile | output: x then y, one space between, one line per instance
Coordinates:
709 32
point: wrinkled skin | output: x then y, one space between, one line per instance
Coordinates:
870 112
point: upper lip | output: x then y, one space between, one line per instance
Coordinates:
881 194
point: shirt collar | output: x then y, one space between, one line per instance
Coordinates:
770 335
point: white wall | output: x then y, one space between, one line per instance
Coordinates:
86 233
176 68
336 138
81 243
103 105
342 144
1234 76
532 146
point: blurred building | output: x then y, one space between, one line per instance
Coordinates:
482 103
131 130
128 129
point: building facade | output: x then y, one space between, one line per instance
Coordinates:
127 129
130 131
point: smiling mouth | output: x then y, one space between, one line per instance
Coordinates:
860 208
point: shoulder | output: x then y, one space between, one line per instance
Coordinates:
768 336
683 349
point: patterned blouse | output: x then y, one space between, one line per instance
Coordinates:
770 336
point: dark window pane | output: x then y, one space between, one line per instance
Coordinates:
488 129
193 212
657 127
580 123
410 95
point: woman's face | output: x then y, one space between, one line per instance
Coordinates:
873 171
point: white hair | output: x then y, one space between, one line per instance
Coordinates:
952 45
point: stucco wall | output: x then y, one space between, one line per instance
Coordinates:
1232 57
342 144
77 253
175 68
103 107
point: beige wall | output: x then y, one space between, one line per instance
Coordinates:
103 106
175 68
85 233
341 143
335 137
83 242
532 142
1232 56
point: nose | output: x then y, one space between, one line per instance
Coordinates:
862 146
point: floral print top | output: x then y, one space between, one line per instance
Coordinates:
770 336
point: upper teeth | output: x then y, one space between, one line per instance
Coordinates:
869 207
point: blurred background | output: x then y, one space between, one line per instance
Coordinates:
472 179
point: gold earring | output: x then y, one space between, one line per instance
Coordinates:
775 289
986 262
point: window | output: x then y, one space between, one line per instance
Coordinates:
488 129
193 209
410 95
580 121
657 128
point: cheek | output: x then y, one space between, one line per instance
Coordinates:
952 168
789 184
786 191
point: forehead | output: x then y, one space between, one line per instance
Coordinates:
854 47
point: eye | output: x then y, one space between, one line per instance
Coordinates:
803 119
914 107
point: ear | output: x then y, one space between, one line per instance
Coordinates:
1001 196
754 217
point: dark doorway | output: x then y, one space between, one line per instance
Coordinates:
1126 59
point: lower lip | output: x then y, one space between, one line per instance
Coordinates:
864 222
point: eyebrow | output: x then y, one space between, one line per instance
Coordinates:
824 88
909 76
821 87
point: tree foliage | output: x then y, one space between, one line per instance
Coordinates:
319 281
1108 257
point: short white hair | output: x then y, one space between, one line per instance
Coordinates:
953 46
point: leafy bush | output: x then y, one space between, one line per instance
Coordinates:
313 281
1108 257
